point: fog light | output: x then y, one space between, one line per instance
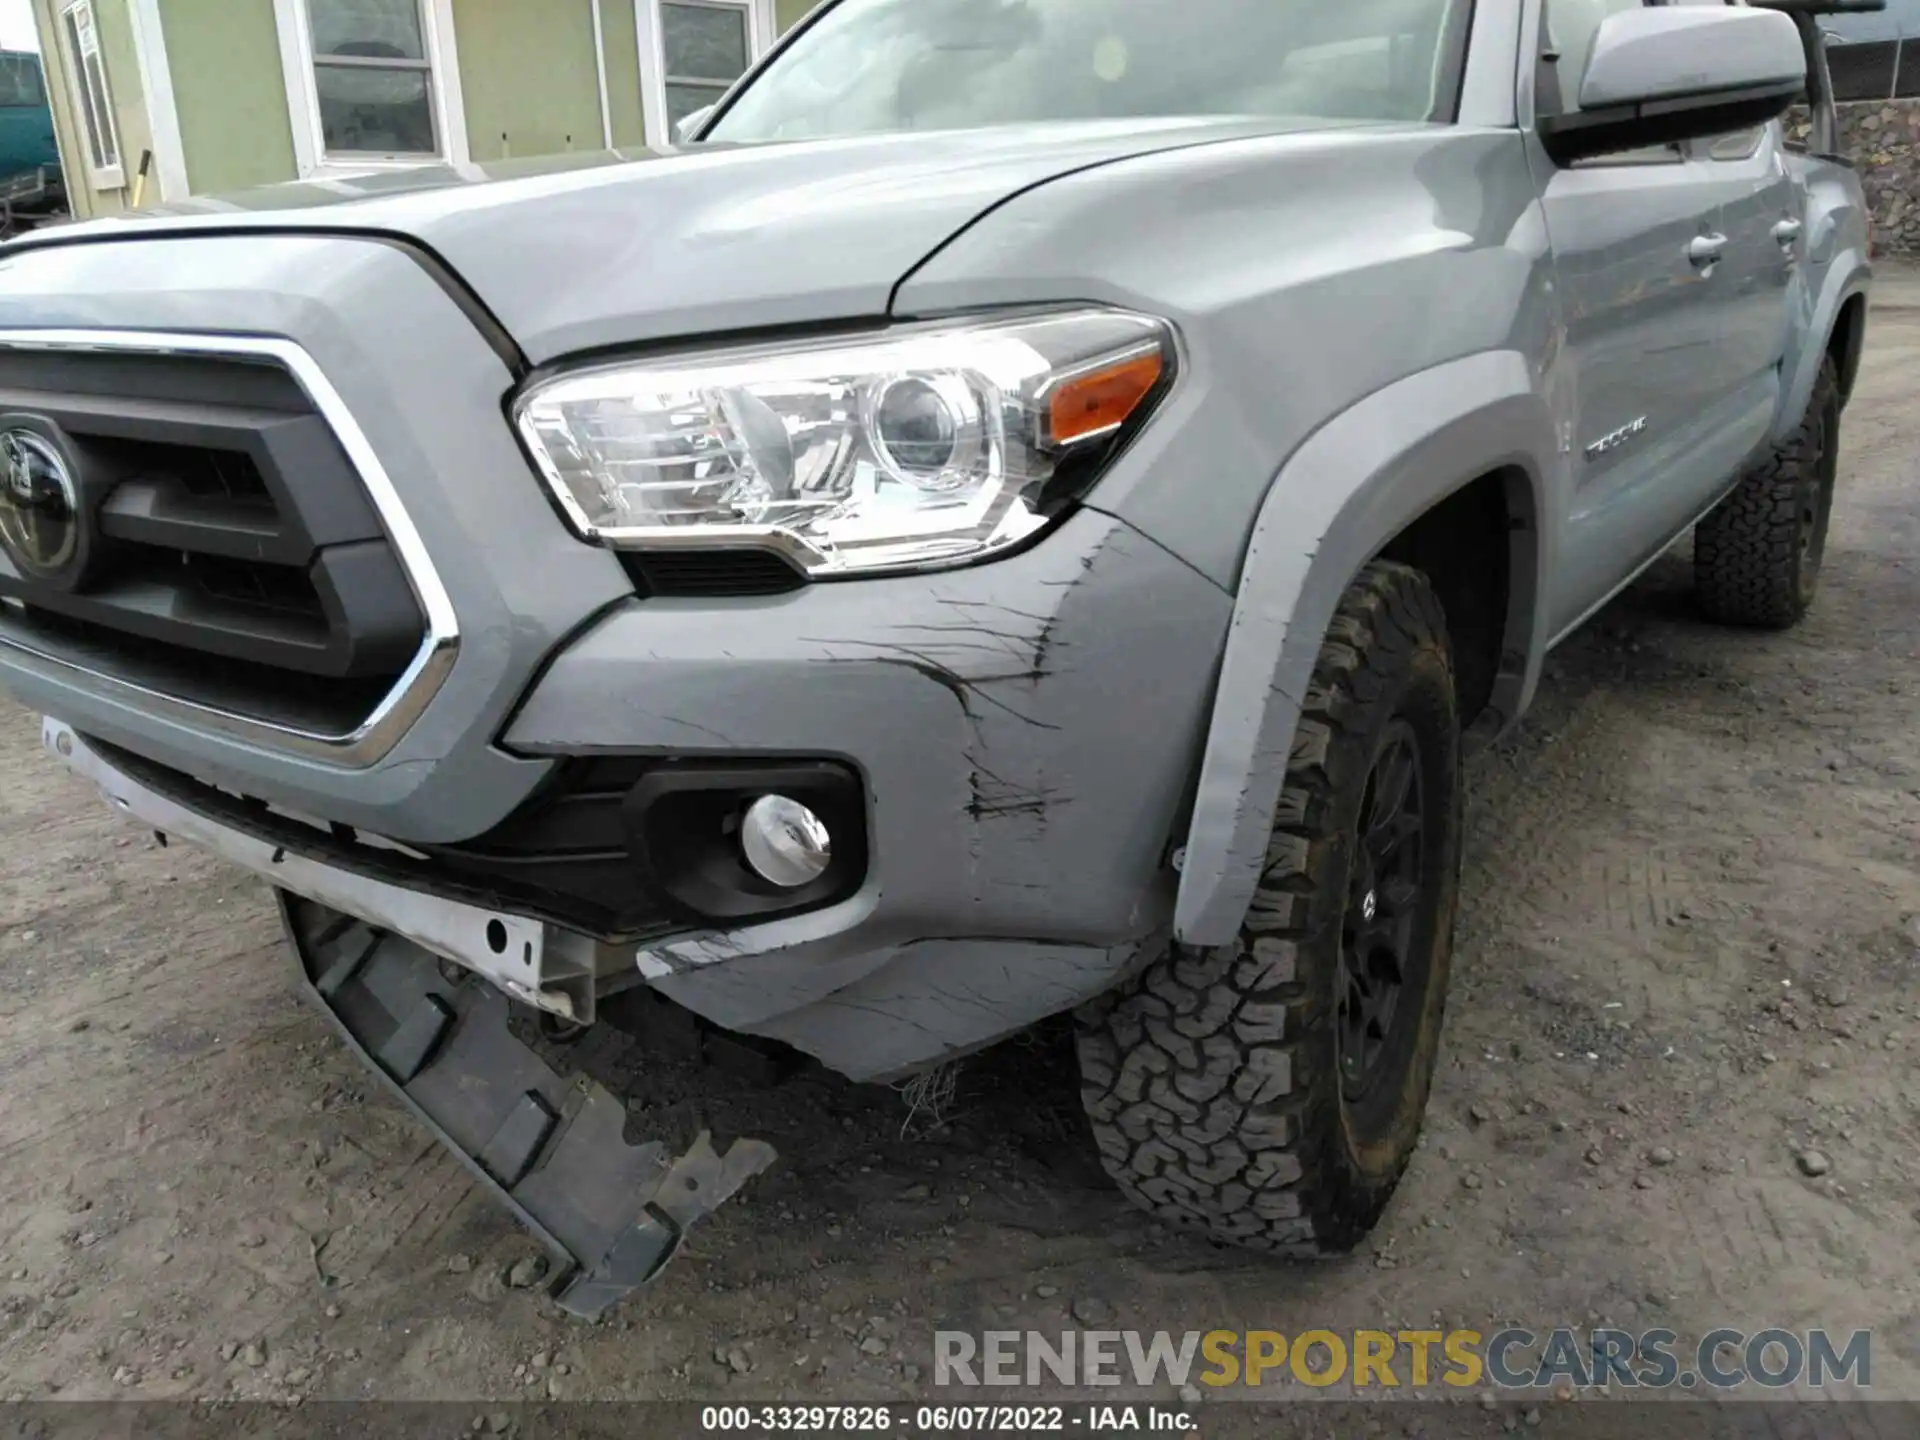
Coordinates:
785 842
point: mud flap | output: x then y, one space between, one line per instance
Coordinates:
550 1148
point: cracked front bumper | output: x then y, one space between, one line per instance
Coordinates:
1024 732
550 1147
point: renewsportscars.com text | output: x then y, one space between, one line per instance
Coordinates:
1513 1359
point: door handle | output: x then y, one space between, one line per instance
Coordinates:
1705 250
1787 231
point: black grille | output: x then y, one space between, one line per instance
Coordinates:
567 850
562 856
711 572
232 557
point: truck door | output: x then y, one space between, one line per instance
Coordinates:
1654 424
1761 209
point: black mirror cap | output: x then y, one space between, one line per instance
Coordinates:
1821 7
1587 134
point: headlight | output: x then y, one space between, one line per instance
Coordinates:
929 446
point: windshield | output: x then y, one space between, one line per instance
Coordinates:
20 81
868 66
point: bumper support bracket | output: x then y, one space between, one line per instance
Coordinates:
551 1148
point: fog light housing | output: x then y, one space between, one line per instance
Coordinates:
733 841
785 842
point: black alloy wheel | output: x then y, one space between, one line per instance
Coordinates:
1379 959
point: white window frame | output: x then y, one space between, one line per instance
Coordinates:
303 95
156 83
763 29
102 177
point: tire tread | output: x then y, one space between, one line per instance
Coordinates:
1746 550
1229 1132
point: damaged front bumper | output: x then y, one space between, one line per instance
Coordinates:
543 965
1022 735
374 958
1019 740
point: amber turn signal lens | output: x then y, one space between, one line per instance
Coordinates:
1096 403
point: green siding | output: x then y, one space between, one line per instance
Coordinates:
122 65
527 73
528 76
129 100
623 74
788 13
230 93
66 125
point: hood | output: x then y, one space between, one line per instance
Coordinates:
624 248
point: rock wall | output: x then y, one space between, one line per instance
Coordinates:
1883 139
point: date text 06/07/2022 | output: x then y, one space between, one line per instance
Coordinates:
944 1419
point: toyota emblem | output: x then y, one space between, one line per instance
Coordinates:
39 505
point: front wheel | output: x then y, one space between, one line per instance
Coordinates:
1270 1092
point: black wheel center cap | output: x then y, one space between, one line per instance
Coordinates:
1816 500
1377 963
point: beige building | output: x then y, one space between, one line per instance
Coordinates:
217 95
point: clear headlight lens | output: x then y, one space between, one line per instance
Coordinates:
923 447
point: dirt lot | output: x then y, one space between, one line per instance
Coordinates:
1690 943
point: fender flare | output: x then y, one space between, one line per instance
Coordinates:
1849 275
1344 494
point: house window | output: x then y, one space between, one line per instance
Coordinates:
91 96
372 78
705 45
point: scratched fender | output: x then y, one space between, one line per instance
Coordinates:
1027 733
1414 443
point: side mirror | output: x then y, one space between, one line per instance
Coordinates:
1656 76
688 126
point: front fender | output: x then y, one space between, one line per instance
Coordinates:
1848 274
1354 485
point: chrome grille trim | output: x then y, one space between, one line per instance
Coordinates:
375 736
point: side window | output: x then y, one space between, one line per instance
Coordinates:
1566 43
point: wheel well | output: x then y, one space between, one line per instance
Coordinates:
1473 549
1849 331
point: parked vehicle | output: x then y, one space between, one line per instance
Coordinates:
31 182
1022 523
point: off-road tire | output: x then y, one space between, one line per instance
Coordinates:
1213 1080
1757 555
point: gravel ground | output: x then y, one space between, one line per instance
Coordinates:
1691 931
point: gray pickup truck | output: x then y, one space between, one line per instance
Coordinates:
1017 515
